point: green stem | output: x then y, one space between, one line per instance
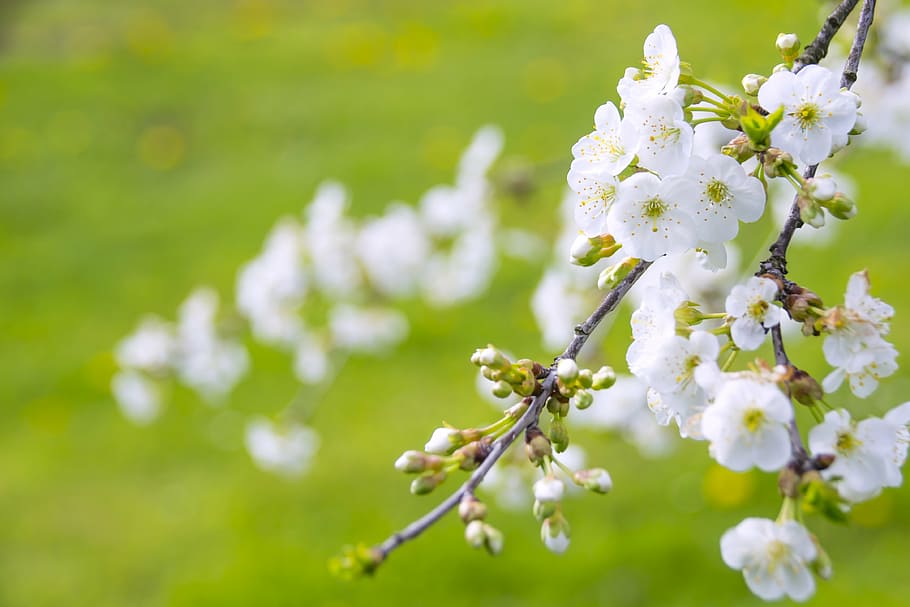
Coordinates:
704 120
708 87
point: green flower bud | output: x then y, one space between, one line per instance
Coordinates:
597 480
426 483
356 561
583 399
537 446
417 461
841 207
585 378
544 510
739 148
604 378
554 532
778 163
502 389
471 509
587 251
788 46
804 389
613 275
821 566
493 358
810 212
752 82
559 435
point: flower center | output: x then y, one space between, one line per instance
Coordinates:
655 208
757 309
718 191
807 115
846 442
777 552
753 419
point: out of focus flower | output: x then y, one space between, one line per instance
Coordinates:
283 449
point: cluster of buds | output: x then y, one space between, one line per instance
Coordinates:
477 533
550 489
819 193
450 449
520 377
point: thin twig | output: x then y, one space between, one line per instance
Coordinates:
530 417
776 264
859 41
818 48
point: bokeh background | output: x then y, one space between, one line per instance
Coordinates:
147 147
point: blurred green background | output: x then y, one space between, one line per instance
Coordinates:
147 147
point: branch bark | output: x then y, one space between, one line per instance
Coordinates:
530 417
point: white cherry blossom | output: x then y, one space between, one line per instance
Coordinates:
774 557
752 308
868 454
659 73
664 137
747 426
137 395
725 195
594 192
284 449
817 115
151 347
649 219
610 147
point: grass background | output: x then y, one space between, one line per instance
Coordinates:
147 147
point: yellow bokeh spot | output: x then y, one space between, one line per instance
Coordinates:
416 47
727 489
545 80
874 513
161 147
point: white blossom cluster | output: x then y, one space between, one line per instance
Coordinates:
322 286
642 190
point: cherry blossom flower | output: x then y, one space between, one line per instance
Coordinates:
595 193
151 347
753 311
286 450
664 137
816 113
659 73
725 195
610 147
137 395
549 489
855 343
747 426
649 219
774 557
393 249
868 454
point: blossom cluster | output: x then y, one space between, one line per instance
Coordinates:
323 286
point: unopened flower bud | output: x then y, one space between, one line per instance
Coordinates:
567 370
739 148
778 163
752 82
544 510
822 189
426 483
810 213
801 302
473 454
841 206
471 509
587 251
597 480
613 275
554 532
583 399
559 434
527 387
444 440
788 483
690 95
493 358
804 389
537 446
549 489
585 378
604 378
417 461
823 460
788 45
502 389
479 534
